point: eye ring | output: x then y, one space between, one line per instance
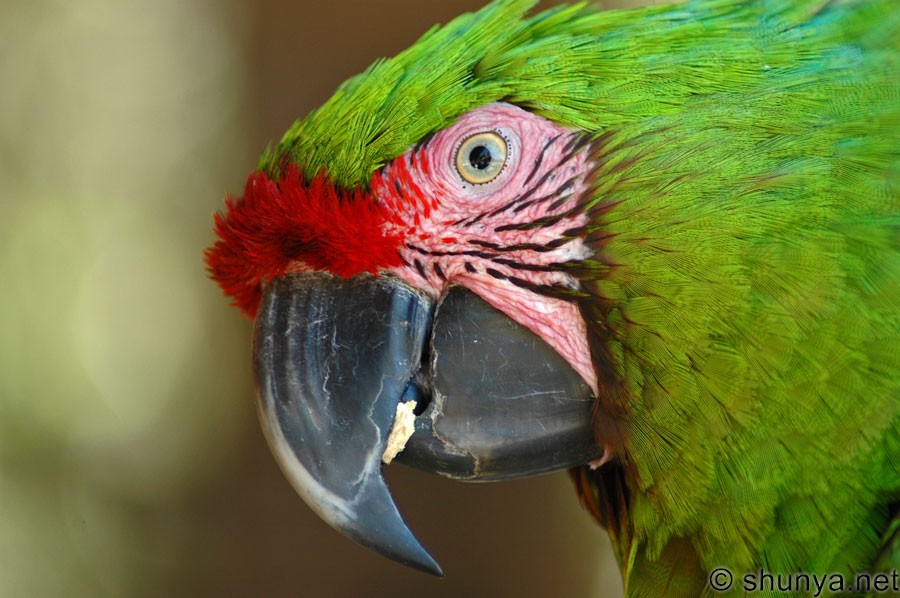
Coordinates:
481 157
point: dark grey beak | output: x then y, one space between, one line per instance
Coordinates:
335 357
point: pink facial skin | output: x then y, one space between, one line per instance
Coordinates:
460 233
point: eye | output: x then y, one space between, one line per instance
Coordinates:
481 157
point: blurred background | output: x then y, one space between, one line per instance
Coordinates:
131 460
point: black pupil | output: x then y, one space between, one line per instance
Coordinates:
480 157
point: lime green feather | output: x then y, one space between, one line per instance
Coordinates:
744 296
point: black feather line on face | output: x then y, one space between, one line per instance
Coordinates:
562 200
434 253
554 267
540 158
471 220
421 269
495 274
542 222
418 250
552 195
575 144
579 269
439 271
536 247
513 204
557 291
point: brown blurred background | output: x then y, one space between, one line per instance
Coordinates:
131 461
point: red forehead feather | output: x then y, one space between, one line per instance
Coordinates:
274 228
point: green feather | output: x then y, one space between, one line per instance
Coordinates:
744 296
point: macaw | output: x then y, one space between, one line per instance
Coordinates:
659 248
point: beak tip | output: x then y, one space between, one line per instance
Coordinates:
391 537
413 555
432 568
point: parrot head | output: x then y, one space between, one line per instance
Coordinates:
659 247
411 262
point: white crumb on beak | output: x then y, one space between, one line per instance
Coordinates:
403 428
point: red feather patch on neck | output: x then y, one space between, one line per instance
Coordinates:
292 225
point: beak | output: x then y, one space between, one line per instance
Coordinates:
335 358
